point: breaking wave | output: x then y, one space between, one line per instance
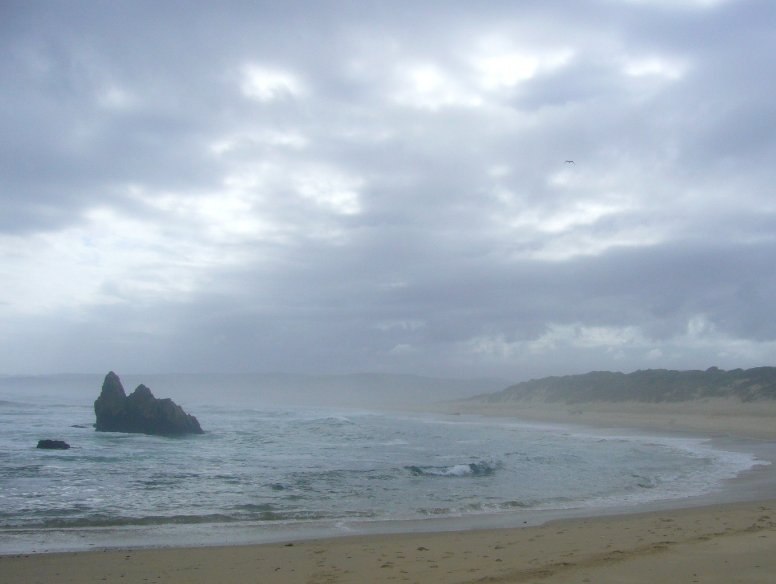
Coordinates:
472 469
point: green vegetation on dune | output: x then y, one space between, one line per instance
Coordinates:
649 385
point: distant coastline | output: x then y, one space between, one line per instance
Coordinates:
738 403
646 385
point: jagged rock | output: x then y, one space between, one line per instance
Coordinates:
140 412
53 444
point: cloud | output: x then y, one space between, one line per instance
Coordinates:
266 84
344 187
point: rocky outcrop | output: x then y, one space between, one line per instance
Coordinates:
53 444
140 412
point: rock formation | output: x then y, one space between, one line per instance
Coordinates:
53 444
140 412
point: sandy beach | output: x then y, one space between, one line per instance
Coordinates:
705 417
725 544
705 542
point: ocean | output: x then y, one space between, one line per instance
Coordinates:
266 474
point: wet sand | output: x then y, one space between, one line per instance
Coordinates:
722 543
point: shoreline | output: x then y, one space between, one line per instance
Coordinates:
757 482
721 536
719 544
706 418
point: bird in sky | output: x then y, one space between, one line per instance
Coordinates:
569 162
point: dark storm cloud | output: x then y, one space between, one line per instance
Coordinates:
353 186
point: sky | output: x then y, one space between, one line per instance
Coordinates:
335 187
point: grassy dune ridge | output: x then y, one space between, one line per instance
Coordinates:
647 385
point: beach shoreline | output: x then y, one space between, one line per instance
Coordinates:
714 417
578 544
722 543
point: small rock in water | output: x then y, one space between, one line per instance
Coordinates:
53 444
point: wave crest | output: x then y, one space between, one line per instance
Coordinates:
472 469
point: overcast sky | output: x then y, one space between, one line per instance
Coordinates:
382 186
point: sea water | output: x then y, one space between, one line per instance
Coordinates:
256 472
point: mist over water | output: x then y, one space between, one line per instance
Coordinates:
365 390
294 465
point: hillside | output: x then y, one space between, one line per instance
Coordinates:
647 386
